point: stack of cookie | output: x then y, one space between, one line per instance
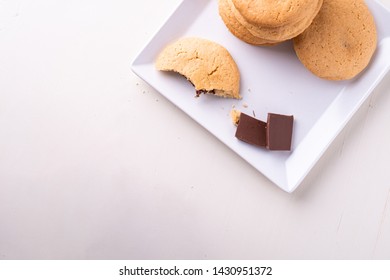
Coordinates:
268 22
334 39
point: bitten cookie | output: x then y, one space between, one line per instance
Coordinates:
340 42
206 64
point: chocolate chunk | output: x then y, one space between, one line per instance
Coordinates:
279 132
251 130
203 91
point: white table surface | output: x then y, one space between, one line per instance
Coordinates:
95 164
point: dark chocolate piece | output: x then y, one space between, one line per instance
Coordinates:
203 91
251 130
279 132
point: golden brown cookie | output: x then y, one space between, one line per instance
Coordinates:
206 64
288 23
273 13
340 42
236 28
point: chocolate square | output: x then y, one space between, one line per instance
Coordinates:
279 132
251 130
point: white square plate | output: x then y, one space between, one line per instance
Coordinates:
272 80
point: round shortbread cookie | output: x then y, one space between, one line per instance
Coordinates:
206 64
236 28
340 42
281 32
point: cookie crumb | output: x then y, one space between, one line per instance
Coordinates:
245 105
235 116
